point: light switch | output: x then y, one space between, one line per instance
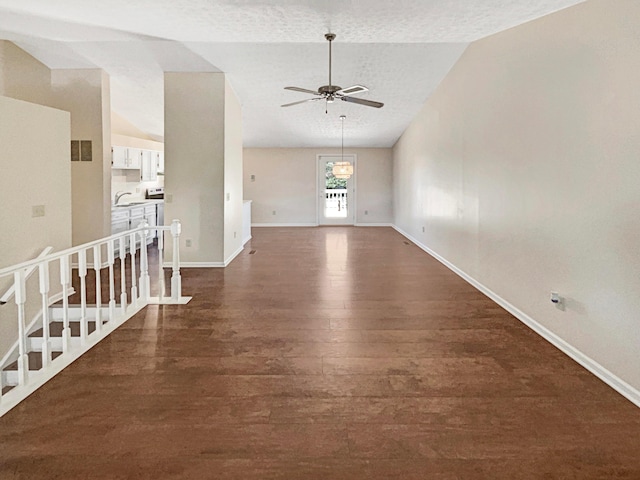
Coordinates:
228 197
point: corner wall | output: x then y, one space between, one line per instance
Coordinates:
232 174
34 161
86 94
523 170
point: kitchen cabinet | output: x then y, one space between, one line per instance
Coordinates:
149 162
149 170
125 157
126 217
151 219
160 163
119 221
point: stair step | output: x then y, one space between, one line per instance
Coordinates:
55 329
75 313
35 344
10 373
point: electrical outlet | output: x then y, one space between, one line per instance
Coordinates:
228 197
234 234
422 229
366 212
138 190
253 178
273 213
37 211
187 242
168 197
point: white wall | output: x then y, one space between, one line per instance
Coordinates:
35 166
232 174
22 76
194 162
524 166
85 93
285 181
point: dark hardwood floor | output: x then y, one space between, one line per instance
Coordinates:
327 353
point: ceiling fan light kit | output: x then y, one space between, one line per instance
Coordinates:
330 93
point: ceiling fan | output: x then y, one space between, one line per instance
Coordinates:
331 92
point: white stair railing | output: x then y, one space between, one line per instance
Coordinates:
14 367
8 295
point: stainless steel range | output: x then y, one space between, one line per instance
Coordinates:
155 193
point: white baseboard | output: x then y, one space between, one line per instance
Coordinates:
615 382
245 240
284 225
207 264
373 225
199 264
233 255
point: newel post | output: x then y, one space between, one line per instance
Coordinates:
176 280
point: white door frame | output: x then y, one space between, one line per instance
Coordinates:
353 158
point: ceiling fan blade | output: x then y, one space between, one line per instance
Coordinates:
354 90
301 101
362 101
303 90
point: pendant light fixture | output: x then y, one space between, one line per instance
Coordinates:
342 169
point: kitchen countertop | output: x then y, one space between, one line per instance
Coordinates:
137 203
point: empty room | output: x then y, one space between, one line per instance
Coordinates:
311 239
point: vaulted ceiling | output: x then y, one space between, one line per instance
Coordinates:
400 50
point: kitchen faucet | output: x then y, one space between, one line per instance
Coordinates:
119 195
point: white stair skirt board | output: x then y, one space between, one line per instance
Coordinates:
37 378
619 385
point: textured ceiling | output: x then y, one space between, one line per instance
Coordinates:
399 50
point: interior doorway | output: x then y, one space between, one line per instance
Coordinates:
336 196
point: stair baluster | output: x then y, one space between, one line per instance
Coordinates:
44 292
112 293
82 273
20 299
97 263
123 275
64 281
144 265
134 287
161 287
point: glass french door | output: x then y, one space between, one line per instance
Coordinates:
336 196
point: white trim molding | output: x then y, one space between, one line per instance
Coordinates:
373 225
259 225
615 382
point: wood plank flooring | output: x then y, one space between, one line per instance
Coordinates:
329 353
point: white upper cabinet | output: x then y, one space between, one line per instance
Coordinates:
149 171
160 162
125 157
135 160
119 157
149 162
